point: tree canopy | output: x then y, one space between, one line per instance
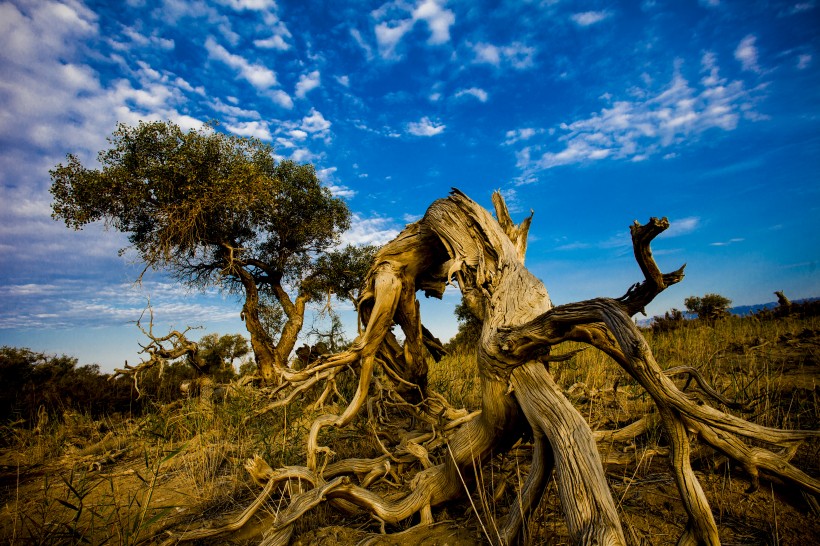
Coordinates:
217 209
708 307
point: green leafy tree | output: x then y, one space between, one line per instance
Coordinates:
708 307
217 354
215 209
469 328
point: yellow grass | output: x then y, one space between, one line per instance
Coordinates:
182 465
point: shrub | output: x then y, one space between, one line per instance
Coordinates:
709 307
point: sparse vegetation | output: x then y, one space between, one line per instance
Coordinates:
603 420
121 480
373 427
708 307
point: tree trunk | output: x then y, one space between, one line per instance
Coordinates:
263 347
295 313
459 240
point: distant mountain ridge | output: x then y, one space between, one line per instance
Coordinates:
743 310
740 310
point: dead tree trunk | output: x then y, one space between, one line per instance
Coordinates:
457 240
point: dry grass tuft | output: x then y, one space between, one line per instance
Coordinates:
124 481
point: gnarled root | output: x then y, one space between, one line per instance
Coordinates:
679 413
586 501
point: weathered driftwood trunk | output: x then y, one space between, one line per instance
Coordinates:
457 240
488 262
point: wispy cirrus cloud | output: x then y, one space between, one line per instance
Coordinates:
362 43
369 231
474 92
731 241
131 37
746 53
803 61
517 135
621 240
67 303
278 40
249 5
634 130
589 18
516 55
261 77
397 18
682 226
425 127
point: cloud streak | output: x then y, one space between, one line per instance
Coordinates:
257 75
746 53
425 127
396 19
636 130
589 18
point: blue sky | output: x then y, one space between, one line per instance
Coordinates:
591 113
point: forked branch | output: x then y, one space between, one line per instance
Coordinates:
160 351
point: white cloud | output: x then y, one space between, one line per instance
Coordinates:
257 75
141 40
315 123
71 304
278 39
249 5
256 129
340 190
729 242
359 39
396 18
510 196
803 61
388 36
746 53
636 130
710 3
682 226
425 127
438 19
44 30
51 100
516 55
274 42
344 80
517 135
369 231
328 177
307 83
234 112
475 92
802 7
588 18
279 97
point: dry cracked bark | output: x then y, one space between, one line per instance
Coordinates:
457 240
